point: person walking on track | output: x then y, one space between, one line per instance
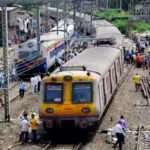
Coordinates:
137 81
120 134
22 88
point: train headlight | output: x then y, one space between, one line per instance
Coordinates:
49 110
68 78
86 110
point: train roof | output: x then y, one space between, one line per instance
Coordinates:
96 59
105 30
47 39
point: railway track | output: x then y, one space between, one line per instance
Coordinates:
145 84
63 147
143 139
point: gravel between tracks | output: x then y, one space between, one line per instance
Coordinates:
123 104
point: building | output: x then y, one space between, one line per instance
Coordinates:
142 10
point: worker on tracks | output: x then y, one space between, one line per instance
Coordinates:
24 124
137 81
120 134
34 124
124 123
22 88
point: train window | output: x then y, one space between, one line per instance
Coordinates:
82 93
54 93
28 55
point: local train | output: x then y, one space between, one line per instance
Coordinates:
52 45
78 94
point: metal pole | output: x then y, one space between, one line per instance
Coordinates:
57 17
120 4
47 19
65 26
97 4
5 61
107 4
38 30
74 13
91 19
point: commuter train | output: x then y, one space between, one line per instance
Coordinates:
79 93
52 46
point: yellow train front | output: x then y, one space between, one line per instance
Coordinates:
68 99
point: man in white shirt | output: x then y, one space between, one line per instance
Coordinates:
24 124
120 134
38 83
32 84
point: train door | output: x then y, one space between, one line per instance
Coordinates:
108 86
100 100
121 65
116 75
113 77
111 84
102 95
117 64
104 91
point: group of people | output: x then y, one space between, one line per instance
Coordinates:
139 59
25 125
35 83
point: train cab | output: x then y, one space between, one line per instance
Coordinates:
67 98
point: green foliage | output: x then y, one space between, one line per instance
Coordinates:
117 17
111 14
120 20
122 25
140 26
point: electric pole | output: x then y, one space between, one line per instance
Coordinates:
65 31
5 62
57 18
97 4
74 13
38 30
120 4
107 4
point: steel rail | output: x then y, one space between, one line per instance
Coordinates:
138 138
77 147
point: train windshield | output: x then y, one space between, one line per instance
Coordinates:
82 93
29 55
54 93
